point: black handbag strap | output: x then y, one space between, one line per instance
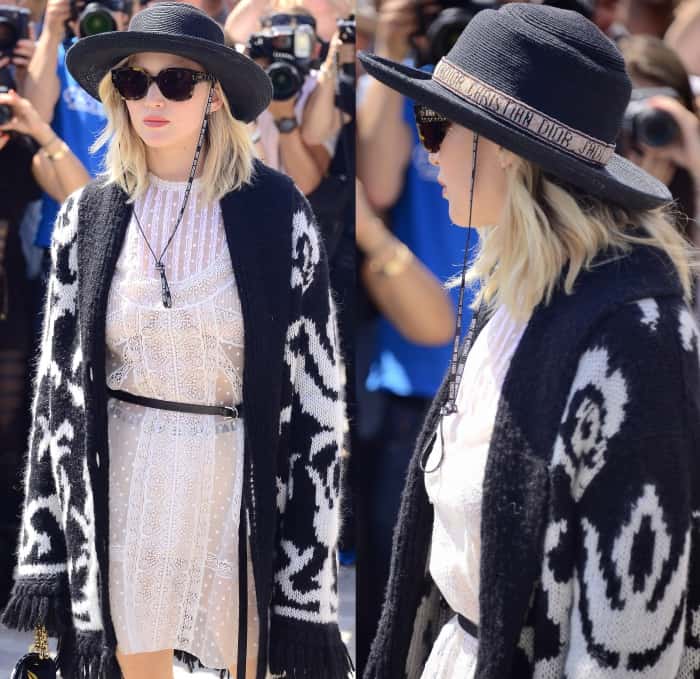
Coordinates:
231 412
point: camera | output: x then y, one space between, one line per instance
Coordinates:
648 125
346 28
288 42
5 110
96 17
14 26
443 22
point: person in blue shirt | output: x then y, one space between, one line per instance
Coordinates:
74 116
403 375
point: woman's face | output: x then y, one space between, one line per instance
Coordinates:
162 123
455 162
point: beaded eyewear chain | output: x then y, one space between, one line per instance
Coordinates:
458 360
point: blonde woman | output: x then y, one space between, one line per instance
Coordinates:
549 523
182 480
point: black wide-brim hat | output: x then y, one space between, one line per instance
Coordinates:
180 29
543 82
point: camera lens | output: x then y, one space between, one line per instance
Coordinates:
286 80
8 36
5 114
96 19
654 127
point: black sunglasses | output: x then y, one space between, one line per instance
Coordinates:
174 83
432 127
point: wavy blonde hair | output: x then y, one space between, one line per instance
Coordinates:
546 225
228 163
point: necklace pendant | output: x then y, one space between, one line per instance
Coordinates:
164 289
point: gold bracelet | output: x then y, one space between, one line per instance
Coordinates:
396 264
57 155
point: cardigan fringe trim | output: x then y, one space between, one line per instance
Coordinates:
38 601
87 656
308 651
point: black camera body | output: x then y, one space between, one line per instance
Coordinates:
444 26
648 125
96 17
5 110
14 26
346 28
290 50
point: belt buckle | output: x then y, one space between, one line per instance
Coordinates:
231 412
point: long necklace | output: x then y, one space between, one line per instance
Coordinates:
160 266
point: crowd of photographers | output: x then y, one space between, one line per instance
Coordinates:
407 247
48 125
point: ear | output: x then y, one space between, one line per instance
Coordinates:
505 158
216 99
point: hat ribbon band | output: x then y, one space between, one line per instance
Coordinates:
511 110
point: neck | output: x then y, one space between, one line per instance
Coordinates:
174 164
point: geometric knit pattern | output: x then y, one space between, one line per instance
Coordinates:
611 600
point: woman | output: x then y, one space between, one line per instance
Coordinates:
552 499
188 392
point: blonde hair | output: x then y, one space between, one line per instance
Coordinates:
546 225
228 163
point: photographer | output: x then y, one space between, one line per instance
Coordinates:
17 47
32 158
58 98
245 17
662 131
286 48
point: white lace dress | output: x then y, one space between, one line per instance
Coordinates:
455 490
175 479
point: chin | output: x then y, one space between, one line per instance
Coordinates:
155 140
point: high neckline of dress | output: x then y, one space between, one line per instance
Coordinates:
155 180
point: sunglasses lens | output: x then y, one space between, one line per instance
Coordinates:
176 83
130 83
432 128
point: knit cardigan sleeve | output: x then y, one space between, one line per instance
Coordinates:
615 582
40 594
305 639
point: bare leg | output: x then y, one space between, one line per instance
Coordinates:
155 665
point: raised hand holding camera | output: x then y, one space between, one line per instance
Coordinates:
667 132
18 115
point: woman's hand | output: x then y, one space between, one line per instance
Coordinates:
25 119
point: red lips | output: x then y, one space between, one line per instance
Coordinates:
155 122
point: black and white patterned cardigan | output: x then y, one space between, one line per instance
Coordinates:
294 414
590 534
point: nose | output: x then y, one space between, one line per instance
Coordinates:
154 97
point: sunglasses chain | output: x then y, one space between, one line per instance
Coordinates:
459 359
160 266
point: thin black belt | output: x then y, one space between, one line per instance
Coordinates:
231 412
468 626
